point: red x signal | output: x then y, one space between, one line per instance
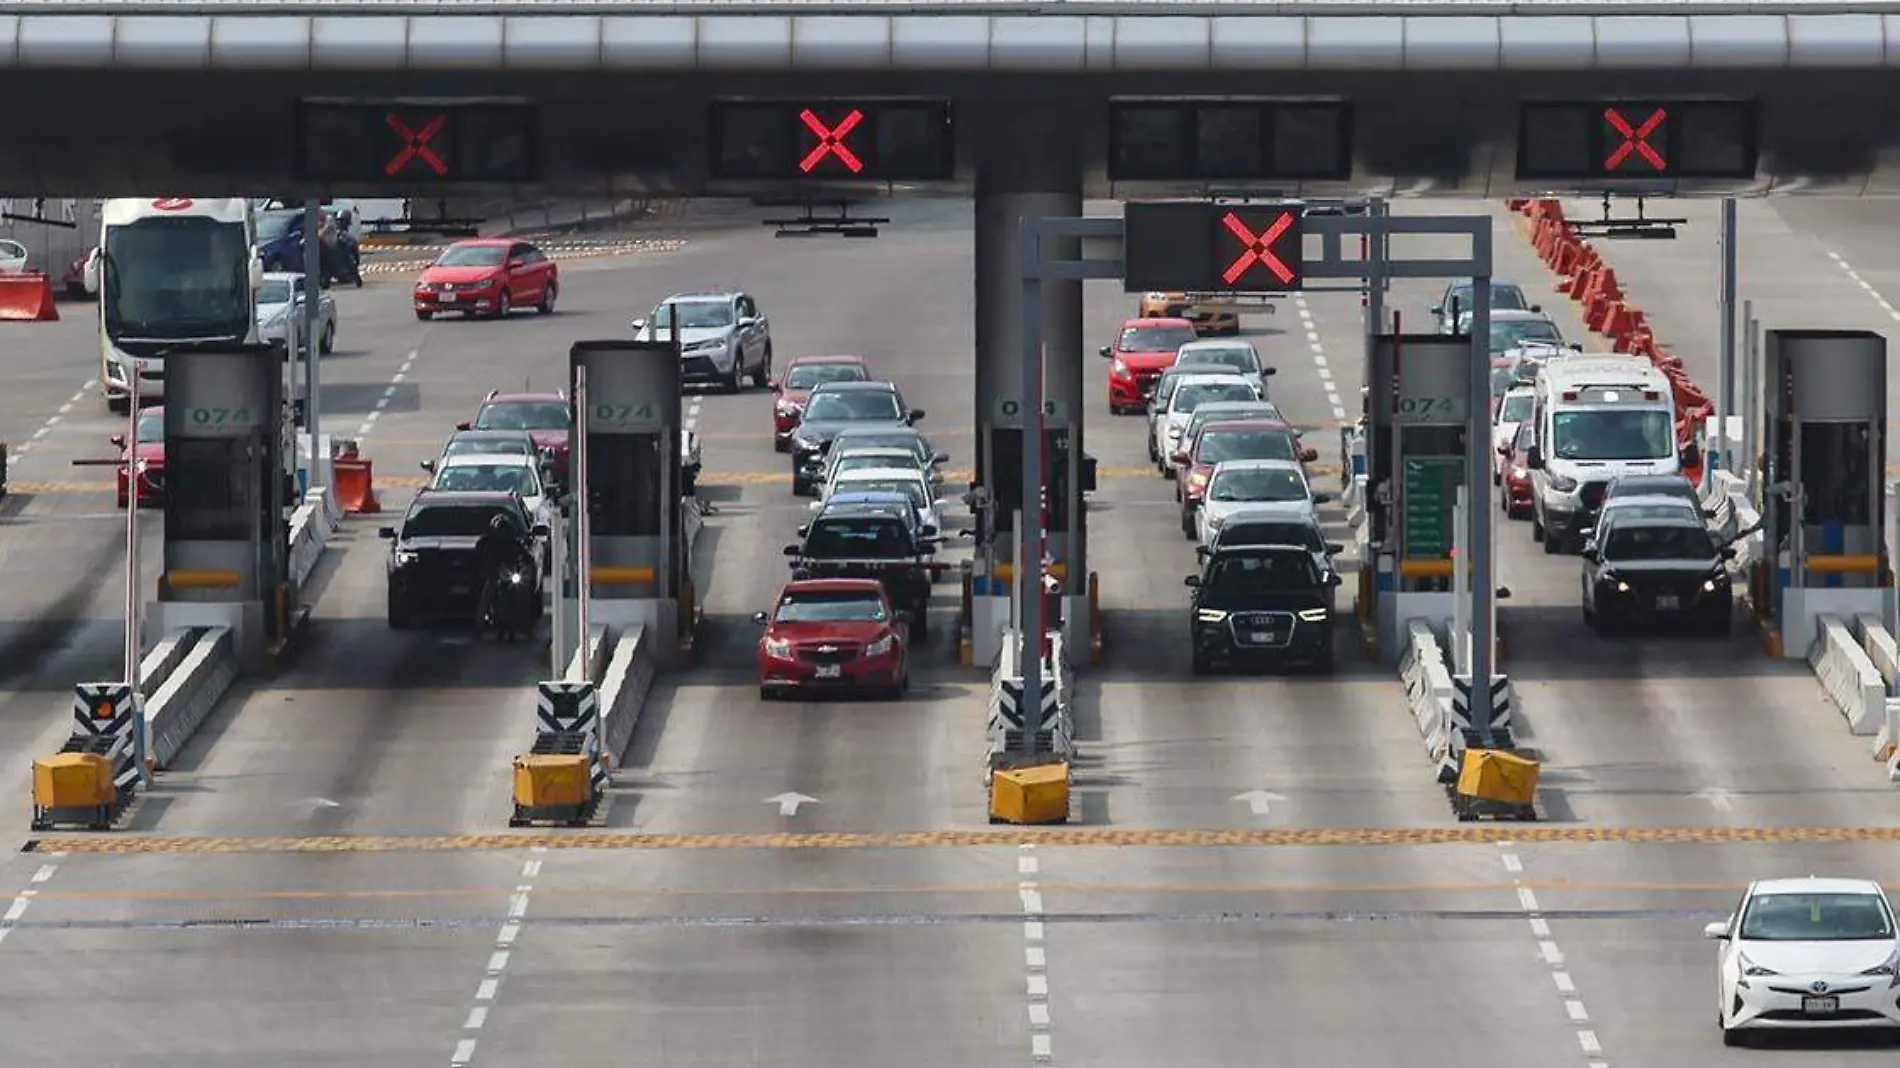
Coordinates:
831 141
1258 248
416 145
1636 139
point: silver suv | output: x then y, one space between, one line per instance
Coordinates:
724 338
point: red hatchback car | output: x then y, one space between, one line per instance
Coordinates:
793 388
834 635
144 459
1143 349
1517 492
545 416
490 277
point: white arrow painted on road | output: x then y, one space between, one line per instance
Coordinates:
1260 801
788 803
1721 797
314 804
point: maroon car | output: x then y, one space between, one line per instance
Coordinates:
545 416
793 389
1517 474
837 635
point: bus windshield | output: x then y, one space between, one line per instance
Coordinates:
175 279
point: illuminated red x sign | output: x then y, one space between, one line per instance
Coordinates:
416 145
1262 249
1635 139
832 141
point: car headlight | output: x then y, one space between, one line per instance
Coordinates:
1118 368
1891 970
1198 479
1518 472
879 647
515 578
1563 483
778 648
704 345
1209 615
404 558
139 466
1174 433
1751 968
1313 615
1622 586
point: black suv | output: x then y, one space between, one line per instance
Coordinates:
1654 561
433 571
1262 603
872 535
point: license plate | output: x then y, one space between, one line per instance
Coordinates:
459 588
1262 636
1820 1006
829 671
1667 604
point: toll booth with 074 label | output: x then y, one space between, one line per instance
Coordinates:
1825 457
635 500
1417 452
226 544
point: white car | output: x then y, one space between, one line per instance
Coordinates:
1513 408
495 472
1236 484
881 457
1807 954
1189 395
13 256
280 297
906 480
1237 356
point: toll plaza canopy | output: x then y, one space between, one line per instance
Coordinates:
1350 96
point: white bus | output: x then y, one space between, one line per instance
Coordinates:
172 271
1596 417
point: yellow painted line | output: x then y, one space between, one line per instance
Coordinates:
1844 565
1425 568
609 575
1005 572
1058 837
203 580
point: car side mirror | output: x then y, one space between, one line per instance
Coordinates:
1728 552
1502 593
637 325
1104 352
428 465
386 533
761 618
1192 580
1180 457
1203 552
1534 458
1587 553
916 415
1504 449
541 530
1692 457
746 322
464 426
1438 309
1537 308
1335 548
816 505
804 529
775 386
929 530
1322 498
118 440
1576 346
1269 372
1587 534
1716 932
940 458
1308 455
793 550
1333 579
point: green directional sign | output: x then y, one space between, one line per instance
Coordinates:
1429 494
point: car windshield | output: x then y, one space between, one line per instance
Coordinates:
456 520
1816 918
489 446
856 405
1504 295
1672 542
1240 358
523 415
1302 535
1219 446
151 426
909 487
1654 487
274 291
472 256
866 461
910 442
1155 338
813 375
1514 332
843 606
1505 379
1192 395
693 314
1261 410
1257 484
873 537
489 478
1256 573
1602 434
1516 409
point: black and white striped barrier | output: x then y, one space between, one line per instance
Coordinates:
1009 706
593 717
103 744
1441 702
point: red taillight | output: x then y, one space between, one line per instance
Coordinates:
1570 394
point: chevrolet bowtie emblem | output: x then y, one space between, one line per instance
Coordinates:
827 648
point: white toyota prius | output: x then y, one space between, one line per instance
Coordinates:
1807 954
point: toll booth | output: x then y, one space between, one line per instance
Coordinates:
226 536
627 407
1824 469
1418 416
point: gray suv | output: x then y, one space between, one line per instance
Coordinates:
724 337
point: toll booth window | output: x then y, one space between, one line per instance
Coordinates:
832 607
1836 483
209 489
523 415
812 375
863 538
624 485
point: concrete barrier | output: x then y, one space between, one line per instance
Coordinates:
625 682
1425 672
311 526
203 674
1848 676
1884 653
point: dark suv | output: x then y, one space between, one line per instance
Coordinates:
433 571
1266 604
872 535
1653 561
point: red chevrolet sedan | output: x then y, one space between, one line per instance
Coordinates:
488 277
836 635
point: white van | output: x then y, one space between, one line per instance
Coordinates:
1596 417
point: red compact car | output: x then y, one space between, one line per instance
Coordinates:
144 459
1143 349
490 277
793 388
833 635
1517 474
545 416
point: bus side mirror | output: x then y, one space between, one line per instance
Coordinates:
636 325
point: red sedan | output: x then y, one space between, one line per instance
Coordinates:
545 416
833 635
793 389
1143 349
1517 474
144 459
490 277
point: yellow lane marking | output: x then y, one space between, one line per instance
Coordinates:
1074 837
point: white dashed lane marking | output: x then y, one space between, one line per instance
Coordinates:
25 448
1552 955
389 394
1035 956
1865 285
490 986
1319 355
23 900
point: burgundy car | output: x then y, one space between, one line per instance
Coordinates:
545 416
1517 474
143 459
793 389
833 635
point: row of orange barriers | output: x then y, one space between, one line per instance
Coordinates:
355 481
1586 279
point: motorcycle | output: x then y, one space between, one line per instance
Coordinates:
511 603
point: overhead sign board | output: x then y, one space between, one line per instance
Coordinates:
1607 140
1229 140
832 140
1202 247
416 144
